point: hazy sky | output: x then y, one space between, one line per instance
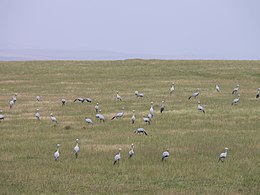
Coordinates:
223 29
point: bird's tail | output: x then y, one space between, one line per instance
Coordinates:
189 97
113 118
145 133
114 162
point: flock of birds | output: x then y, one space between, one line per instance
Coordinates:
147 119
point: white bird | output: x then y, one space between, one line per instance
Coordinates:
151 109
162 107
118 97
258 93
76 149
137 94
133 117
37 114
172 88
140 130
89 121
165 154
131 151
1 115
118 115
38 98
63 102
236 100
117 156
53 119
57 154
97 108
200 108
235 90
223 155
11 103
217 88
195 94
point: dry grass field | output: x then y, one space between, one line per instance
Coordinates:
194 139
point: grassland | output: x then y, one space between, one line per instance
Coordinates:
193 138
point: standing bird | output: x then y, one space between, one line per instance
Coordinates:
57 154
200 108
11 103
195 94
140 130
131 151
137 94
217 88
162 107
258 93
63 102
37 114
76 149
133 117
118 115
38 98
53 119
89 121
97 107
14 97
117 156
172 88
147 120
235 90
118 97
165 154
151 109
223 155
236 100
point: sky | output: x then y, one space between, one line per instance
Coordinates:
207 29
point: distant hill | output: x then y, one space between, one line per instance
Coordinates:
28 54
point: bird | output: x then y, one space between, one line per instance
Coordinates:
88 100
1 115
140 130
223 155
217 88
14 97
165 154
118 115
53 119
172 88
118 97
235 90
38 98
258 93
57 153
236 100
97 107
200 108
195 94
137 94
131 151
89 121
133 117
117 156
63 102
11 103
151 109
162 107
147 120
37 114
76 149
80 99
100 117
